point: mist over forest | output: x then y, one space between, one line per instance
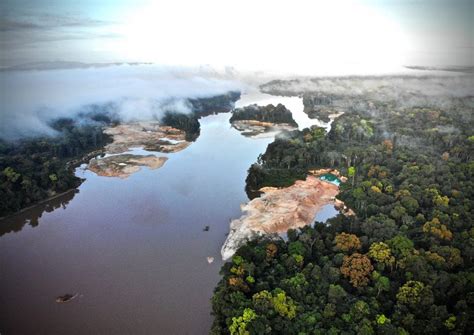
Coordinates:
32 99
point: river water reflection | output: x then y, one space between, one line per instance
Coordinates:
133 249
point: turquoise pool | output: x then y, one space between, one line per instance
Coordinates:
329 177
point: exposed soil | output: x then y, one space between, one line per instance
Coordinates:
150 135
278 210
124 165
253 128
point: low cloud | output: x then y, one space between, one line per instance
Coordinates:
31 99
402 90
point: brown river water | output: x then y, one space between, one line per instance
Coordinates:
133 249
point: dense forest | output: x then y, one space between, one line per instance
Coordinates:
199 108
402 265
37 168
321 106
269 113
217 104
189 123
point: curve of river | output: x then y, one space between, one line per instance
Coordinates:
133 249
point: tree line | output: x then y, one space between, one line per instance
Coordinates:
33 169
200 107
269 113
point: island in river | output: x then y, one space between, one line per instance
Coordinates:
124 165
151 136
254 120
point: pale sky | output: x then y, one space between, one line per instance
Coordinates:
294 36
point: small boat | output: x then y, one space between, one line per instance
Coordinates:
206 228
65 298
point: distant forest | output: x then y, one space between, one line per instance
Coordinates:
269 113
200 107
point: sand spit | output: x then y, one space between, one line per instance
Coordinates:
124 165
150 135
278 210
254 128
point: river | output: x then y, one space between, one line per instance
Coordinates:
133 249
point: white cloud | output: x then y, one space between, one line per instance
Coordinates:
32 98
303 36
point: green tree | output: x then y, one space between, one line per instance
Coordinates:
413 293
351 172
381 253
382 283
401 246
239 324
11 175
283 304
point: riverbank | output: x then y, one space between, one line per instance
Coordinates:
150 135
253 128
70 165
122 166
279 209
38 203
